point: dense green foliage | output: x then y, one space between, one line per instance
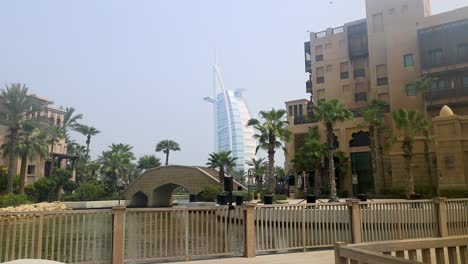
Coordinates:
223 161
148 161
209 193
12 199
166 146
271 131
330 112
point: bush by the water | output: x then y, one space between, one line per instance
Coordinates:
11 199
209 193
41 190
90 191
244 194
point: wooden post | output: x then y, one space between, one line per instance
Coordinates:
355 215
338 258
118 235
441 209
250 245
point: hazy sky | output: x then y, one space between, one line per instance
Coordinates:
138 70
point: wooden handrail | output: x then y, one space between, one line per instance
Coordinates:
413 244
367 256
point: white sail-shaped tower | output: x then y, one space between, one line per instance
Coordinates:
231 115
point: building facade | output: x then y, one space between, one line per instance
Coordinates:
378 58
231 115
39 167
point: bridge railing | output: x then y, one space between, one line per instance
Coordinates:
122 234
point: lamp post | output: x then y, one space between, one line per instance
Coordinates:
119 187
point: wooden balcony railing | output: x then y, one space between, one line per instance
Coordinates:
450 93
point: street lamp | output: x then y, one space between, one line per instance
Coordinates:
119 187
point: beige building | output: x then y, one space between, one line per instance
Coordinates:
377 58
38 167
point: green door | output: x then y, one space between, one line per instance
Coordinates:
361 165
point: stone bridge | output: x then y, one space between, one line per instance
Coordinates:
154 187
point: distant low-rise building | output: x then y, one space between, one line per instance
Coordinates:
39 167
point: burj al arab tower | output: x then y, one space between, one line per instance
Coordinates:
230 122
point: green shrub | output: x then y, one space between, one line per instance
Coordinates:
342 193
13 200
209 193
299 194
454 193
90 191
41 190
4 180
394 192
72 197
279 197
69 186
244 194
425 190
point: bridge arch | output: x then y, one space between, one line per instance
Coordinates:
158 184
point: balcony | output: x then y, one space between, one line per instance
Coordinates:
359 73
357 111
318 58
382 81
308 66
309 86
450 93
359 97
300 120
436 51
344 75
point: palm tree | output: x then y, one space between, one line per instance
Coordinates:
309 156
117 163
258 167
87 131
374 119
70 121
272 130
222 161
408 123
31 142
423 84
15 107
330 112
166 146
148 161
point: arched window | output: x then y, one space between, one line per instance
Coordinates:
59 122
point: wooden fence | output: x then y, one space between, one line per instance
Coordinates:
174 233
288 227
453 250
68 236
122 234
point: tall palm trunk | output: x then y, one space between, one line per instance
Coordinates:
167 156
221 177
271 163
318 180
24 164
382 166
331 164
374 159
427 160
88 141
407 148
13 161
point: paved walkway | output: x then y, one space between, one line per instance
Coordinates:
316 257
